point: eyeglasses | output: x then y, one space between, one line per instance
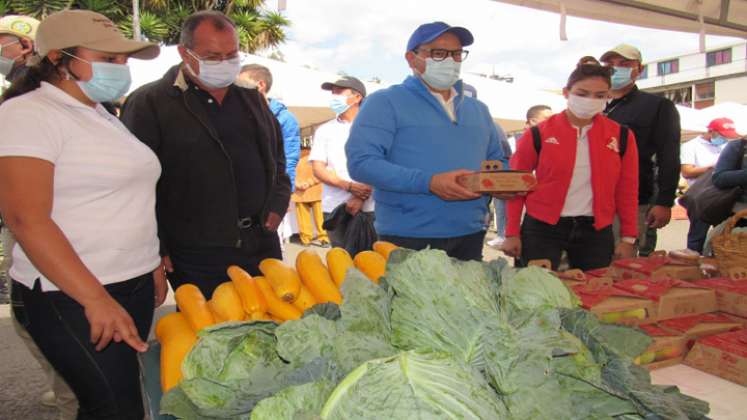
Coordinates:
213 61
440 54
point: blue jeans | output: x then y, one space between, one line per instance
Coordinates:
107 382
500 217
468 247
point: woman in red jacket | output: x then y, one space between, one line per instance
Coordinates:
586 175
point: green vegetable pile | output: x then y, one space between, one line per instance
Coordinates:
437 339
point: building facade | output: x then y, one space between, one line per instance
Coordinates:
699 80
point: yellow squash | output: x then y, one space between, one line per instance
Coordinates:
305 299
284 280
227 303
251 298
384 248
177 339
372 264
216 313
192 303
316 278
338 262
275 306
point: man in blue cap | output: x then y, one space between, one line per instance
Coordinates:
412 141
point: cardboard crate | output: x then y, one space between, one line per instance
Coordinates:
723 355
668 348
673 298
731 295
703 325
613 305
492 179
658 266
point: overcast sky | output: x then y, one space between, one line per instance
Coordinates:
367 38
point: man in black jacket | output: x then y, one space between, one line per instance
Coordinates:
224 189
656 124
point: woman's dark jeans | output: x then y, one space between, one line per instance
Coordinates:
107 382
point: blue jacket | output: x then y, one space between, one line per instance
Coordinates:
401 137
291 138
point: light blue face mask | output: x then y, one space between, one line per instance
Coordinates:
109 81
718 140
621 77
339 104
441 74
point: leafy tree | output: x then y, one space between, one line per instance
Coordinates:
161 20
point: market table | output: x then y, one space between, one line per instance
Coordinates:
728 400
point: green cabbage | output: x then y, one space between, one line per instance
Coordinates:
533 288
413 385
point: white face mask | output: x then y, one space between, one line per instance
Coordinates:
216 75
585 108
441 74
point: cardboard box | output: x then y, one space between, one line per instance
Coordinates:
492 179
655 267
614 305
723 355
668 348
673 298
731 295
600 272
703 325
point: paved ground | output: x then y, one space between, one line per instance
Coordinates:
22 381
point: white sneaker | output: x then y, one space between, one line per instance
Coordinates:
496 242
48 399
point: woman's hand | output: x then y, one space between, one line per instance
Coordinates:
624 250
109 321
160 284
512 246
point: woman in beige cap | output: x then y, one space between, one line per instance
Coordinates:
78 193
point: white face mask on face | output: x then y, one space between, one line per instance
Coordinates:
217 75
441 74
585 108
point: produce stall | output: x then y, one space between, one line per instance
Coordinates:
488 341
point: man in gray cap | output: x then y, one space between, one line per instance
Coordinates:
328 159
656 124
413 141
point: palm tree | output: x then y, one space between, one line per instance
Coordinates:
161 20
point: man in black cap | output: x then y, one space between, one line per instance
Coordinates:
328 158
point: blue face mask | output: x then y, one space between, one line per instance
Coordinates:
339 104
718 140
441 74
621 77
109 82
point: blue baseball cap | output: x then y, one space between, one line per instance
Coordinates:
427 32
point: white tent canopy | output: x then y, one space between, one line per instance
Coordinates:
698 119
714 17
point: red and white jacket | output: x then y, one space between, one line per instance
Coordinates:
614 180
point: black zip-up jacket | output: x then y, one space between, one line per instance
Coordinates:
196 202
656 124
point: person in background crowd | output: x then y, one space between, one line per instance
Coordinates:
697 156
586 175
499 215
328 158
535 115
731 169
224 188
412 142
17 34
656 124
78 193
308 199
259 76
16 45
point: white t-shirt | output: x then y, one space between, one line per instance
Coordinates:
104 193
329 147
580 197
699 152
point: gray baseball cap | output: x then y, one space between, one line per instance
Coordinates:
347 82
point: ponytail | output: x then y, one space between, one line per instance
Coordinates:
44 71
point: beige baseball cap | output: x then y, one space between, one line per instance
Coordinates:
623 50
84 28
17 25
